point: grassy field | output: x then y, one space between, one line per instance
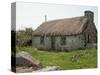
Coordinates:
76 59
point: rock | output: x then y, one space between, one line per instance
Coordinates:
24 69
51 68
24 59
91 45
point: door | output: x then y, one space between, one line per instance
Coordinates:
52 42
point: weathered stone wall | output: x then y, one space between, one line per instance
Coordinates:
91 33
90 29
72 42
36 43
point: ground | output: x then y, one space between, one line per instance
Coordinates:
76 59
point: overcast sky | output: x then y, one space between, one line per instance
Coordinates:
33 14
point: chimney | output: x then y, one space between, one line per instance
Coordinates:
89 14
45 18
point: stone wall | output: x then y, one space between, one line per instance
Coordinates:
90 33
36 43
72 42
90 28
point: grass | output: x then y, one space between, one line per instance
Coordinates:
76 59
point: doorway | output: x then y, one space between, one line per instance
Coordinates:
52 42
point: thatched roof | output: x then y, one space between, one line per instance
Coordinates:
67 26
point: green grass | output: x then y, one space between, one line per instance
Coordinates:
76 59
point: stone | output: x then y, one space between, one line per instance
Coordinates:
24 59
49 68
91 45
24 69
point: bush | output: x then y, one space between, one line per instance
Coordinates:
24 37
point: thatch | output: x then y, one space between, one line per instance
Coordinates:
67 26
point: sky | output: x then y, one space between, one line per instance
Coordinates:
31 15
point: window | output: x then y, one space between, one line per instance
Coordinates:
42 40
63 40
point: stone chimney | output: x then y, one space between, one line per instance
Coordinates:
90 15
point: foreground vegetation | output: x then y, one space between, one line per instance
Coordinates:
76 59
24 37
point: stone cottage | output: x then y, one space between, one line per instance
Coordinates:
67 33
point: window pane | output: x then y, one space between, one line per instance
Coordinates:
63 40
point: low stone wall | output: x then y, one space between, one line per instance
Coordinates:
91 45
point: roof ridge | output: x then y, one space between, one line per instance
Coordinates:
62 19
